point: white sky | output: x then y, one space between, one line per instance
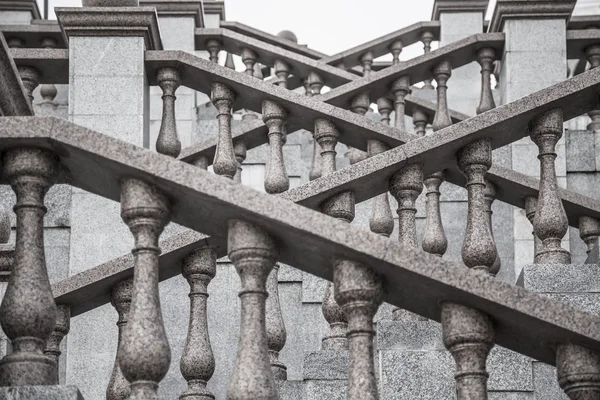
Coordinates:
329 26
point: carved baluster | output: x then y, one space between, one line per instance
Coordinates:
316 83
486 57
249 59
144 354
384 106
168 142
359 291
48 91
530 207
593 56
478 250
239 149
31 79
469 336
63 324
427 38
400 88
276 333
229 61
258 74
276 178
589 230
420 121
550 222
213 47
223 98
578 371
28 311
253 252
282 71
489 195
340 206
366 60
434 238
118 386
197 363
396 49
7 252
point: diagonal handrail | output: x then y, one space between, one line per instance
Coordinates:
13 99
416 281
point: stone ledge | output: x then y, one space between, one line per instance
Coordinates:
215 7
40 393
448 6
21 5
560 278
178 8
529 9
111 21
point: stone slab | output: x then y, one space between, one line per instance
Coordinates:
325 390
559 278
291 390
409 335
326 365
40 393
581 151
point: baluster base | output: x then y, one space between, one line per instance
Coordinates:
277 367
197 391
553 256
31 369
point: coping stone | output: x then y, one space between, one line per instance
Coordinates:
21 5
181 8
529 9
462 6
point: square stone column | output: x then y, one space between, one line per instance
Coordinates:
534 57
108 93
18 12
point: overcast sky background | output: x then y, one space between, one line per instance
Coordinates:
329 26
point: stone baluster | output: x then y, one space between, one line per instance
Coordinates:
276 178
489 195
307 89
253 253
28 312
214 47
316 83
400 89
249 58
120 298
359 292
434 238
340 206
486 57
229 61
276 181
144 353
530 207
258 74
282 71
61 328
168 142
479 250
420 121
550 222
366 60
593 57
468 335
589 230
223 98
48 90
396 49
497 73
578 371
427 38
385 107
197 362
239 149
31 79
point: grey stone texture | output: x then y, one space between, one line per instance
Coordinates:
40 393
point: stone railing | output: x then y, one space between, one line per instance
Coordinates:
260 229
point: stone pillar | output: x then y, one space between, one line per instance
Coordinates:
460 19
19 12
109 93
534 58
178 21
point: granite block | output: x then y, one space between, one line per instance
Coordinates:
177 33
525 159
409 335
325 390
40 393
588 302
326 365
551 65
509 371
585 183
107 95
524 253
502 222
124 127
450 192
291 390
522 227
597 146
581 151
15 17
459 24
559 278
503 157
511 395
313 288
534 35
287 273
106 56
545 383
454 220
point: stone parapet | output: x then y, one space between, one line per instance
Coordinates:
461 6
529 9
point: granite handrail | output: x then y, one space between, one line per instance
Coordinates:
33 35
369 178
87 157
13 98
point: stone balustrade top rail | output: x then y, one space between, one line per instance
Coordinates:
579 40
584 22
526 322
34 35
13 99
